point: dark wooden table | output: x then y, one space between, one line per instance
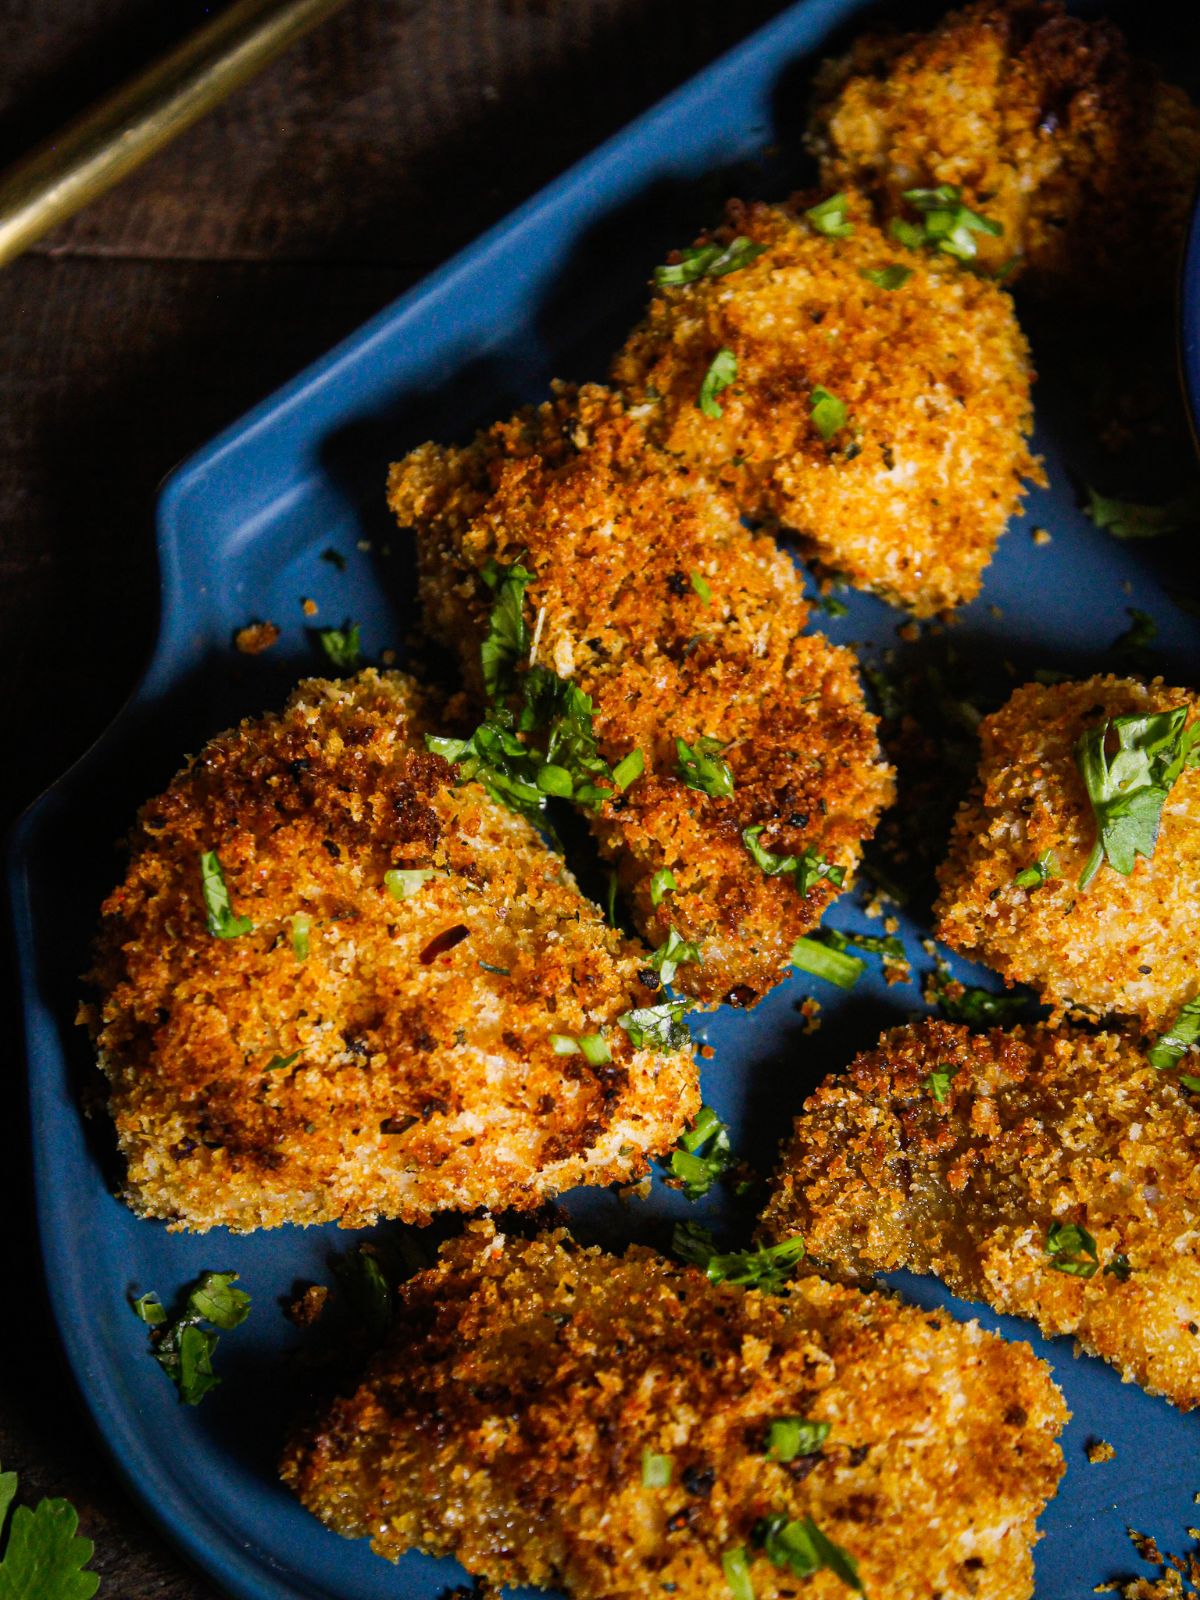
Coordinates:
374 149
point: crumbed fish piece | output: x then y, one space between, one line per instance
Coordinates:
651 597
1122 944
878 403
1043 121
560 1416
375 1034
1049 1171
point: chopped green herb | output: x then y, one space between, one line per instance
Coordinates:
595 1049
44 1557
563 1044
946 224
656 1470
1073 1249
708 261
893 277
278 1063
700 768
803 1549
507 639
403 882
662 883
978 1008
700 584
1126 519
1128 789
218 909
938 1082
151 1309
1119 1269
807 869
811 955
832 606
789 1437
629 769
888 945
721 372
342 646
737 1574
673 953
502 972
829 414
767 1268
183 1348
1034 876
610 900
1169 1049
1189 1083
702 1154
829 217
365 1287
658 1027
301 924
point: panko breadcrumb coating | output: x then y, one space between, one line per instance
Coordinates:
1047 125
1123 945
908 497
622 547
508 1422
358 1055
965 1155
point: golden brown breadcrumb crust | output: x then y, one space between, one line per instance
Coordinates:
615 536
1032 1128
506 1425
911 495
1047 125
403 1064
1124 944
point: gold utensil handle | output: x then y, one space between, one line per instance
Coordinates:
100 147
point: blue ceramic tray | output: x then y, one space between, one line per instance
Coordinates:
242 528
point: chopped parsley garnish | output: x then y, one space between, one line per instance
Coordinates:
656 1470
366 1290
803 1549
342 646
628 769
946 224
278 1063
829 217
1169 1049
218 909
1127 519
832 606
767 1268
708 261
789 1437
403 882
812 955
700 584
662 883
658 1027
184 1348
1119 1269
44 1557
737 1574
507 639
700 768
301 924
1073 1249
938 1082
721 372
1128 789
673 953
807 869
893 277
978 1008
592 1046
1034 876
610 900
702 1154
828 413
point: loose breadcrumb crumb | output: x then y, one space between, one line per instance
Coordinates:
255 637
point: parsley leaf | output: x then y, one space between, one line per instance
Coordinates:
218 909
507 637
721 372
829 217
803 1549
1127 791
978 1008
708 261
1073 1249
183 1348
938 1082
662 883
656 1470
674 952
1127 519
946 223
702 1154
342 646
812 954
701 585
403 882
789 1437
893 277
807 869
658 1028
279 1063
737 1574
1169 1049
767 1268
1034 876
301 924
700 769
829 414
1119 1269
44 1557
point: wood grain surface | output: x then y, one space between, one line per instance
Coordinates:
379 145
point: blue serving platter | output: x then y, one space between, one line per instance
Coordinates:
242 531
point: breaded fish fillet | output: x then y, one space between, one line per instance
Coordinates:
378 1042
649 595
908 486
1046 125
1124 944
531 1389
978 1156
